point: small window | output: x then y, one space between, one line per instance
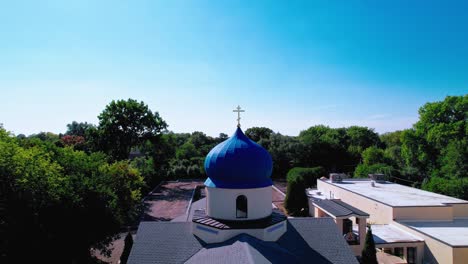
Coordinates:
398 252
411 255
241 206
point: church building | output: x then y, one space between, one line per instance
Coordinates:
236 222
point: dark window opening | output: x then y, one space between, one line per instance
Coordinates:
411 255
398 252
241 206
348 233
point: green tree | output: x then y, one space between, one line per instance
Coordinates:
308 175
145 166
363 170
187 151
296 199
436 146
358 139
392 156
158 153
258 133
455 187
441 122
453 159
323 146
284 151
125 124
63 199
202 142
369 253
221 138
83 133
373 155
79 129
46 136
415 150
391 139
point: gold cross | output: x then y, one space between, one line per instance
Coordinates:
238 110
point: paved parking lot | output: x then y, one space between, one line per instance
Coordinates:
169 200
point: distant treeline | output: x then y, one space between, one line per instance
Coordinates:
69 192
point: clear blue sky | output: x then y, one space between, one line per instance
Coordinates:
290 64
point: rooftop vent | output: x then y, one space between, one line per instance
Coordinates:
337 177
380 178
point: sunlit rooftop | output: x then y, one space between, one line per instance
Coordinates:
394 194
454 233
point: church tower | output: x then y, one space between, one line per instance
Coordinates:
238 185
238 192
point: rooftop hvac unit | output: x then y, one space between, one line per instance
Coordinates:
377 177
337 177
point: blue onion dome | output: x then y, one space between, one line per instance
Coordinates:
238 163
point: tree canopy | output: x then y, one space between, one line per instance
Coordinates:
63 199
74 191
125 124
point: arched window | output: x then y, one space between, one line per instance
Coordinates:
241 206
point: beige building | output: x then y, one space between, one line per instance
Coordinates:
418 226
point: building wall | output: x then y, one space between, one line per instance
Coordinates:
379 212
460 210
423 213
418 245
434 251
460 255
221 203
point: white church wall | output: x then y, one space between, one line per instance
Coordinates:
221 203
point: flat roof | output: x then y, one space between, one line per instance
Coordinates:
394 194
453 233
388 234
316 194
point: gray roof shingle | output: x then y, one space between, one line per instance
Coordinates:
339 208
243 249
307 240
164 242
316 240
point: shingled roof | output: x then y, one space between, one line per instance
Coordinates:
307 240
338 208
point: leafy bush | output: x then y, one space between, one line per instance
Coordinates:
296 199
146 168
373 155
363 170
455 187
63 199
309 175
